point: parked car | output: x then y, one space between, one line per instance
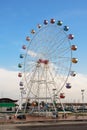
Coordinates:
21 116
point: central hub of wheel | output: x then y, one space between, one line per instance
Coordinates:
43 61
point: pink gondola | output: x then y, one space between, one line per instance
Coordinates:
24 47
71 36
27 38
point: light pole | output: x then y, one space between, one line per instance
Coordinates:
54 100
21 89
82 92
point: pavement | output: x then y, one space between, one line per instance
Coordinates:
64 125
30 119
36 121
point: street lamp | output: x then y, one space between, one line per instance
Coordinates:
54 100
82 92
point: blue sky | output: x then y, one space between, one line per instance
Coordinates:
18 17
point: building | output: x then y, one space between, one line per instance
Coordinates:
7 105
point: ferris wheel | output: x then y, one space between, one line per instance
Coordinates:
47 60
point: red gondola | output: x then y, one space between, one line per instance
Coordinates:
73 47
62 95
19 74
43 61
52 21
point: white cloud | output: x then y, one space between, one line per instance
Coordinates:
78 83
31 53
9 86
